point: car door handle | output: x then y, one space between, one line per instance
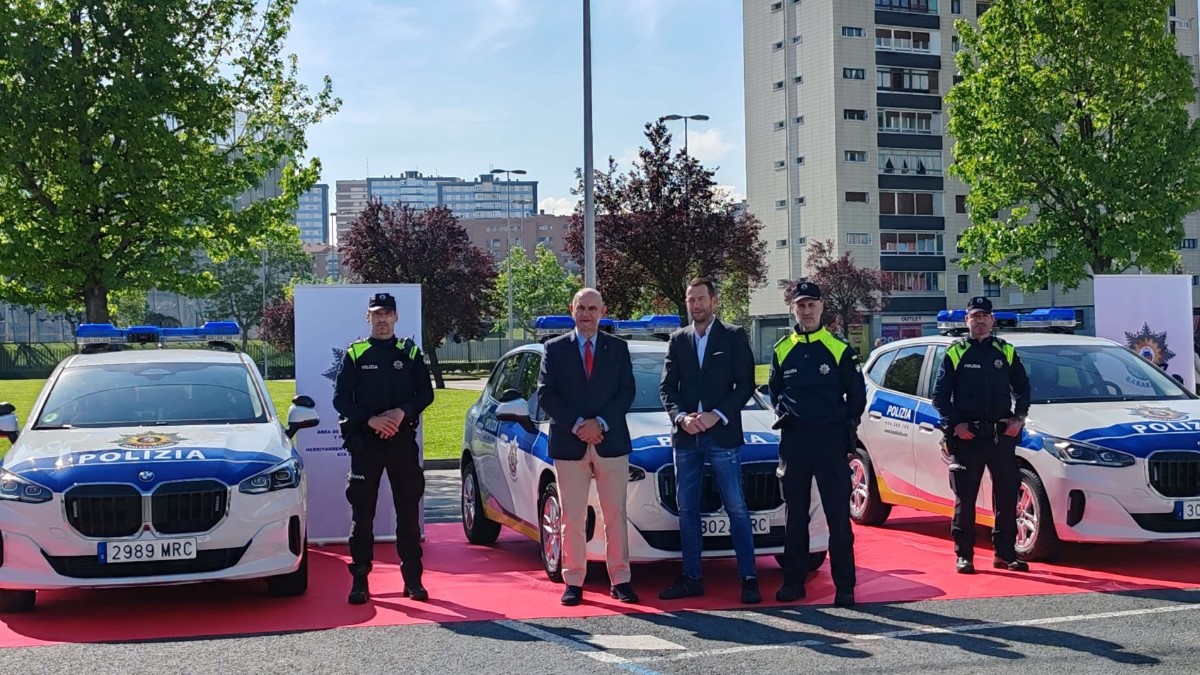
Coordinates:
875 415
925 427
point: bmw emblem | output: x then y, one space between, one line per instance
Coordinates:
146 476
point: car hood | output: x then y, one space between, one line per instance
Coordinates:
1136 428
146 457
651 435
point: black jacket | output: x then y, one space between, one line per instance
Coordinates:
816 383
724 384
978 381
566 394
378 375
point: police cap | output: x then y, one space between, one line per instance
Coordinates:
805 289
979 304
382 301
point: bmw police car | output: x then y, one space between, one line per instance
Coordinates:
1110 453
152 466
508 477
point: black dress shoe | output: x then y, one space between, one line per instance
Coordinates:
964 566
684 587
843 599
750 592
790 593
1011 566
623 592
572 596
416 592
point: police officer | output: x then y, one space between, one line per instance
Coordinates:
819 395
980 377
380 392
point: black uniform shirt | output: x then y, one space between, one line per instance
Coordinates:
978 381
378 375
815 378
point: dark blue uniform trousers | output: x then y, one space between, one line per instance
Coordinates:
370 457
997 453
805 454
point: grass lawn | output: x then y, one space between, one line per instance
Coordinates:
443 419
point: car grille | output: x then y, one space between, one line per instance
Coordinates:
759 486
104 510
1165 522
193 506
90 567
1175 474
175 508
668 540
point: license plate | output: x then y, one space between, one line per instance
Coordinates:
1187 510
146 551
718 526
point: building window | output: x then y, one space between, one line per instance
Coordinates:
779 125
908 122
964 283
916 6
1195 280
858 239
857 115
800 161
1188 243
777 46
777 86
902 40
991 288
960 203
854 74
781 243
958 244
852 31
776 6
955 44
910 203
799 79
856 155
956 6
800 241
799 120
909 282
858 197
907 80
797 39
957 79
916 162
780 164
910 243
800 201
781 203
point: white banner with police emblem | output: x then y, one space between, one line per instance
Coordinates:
1152 315
328 319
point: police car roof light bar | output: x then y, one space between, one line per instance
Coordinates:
648 327
1050 320
96 336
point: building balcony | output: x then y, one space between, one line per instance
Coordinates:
908 19
898 181
908 60
910 262
909 141
916 304
892 99
912 222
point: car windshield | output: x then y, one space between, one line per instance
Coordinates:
1095 373
155 394
647 373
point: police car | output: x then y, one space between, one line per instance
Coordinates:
1110 453
508 477
152 466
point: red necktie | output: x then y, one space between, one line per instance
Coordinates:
587 358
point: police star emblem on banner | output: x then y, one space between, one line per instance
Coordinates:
1150 345
331 372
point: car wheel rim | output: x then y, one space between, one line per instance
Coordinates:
1027 518
468 501
859 490
551 533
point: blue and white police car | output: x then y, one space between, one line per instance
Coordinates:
1110 453
508 477
152 466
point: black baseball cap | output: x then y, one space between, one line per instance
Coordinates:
805 289
382 301
979 304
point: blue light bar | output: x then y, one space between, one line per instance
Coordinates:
550 326
106 333
1046 318
93 333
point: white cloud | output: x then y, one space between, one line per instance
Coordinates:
708 146
558 206
647 15
729 193
500 24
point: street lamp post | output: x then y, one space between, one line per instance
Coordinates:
687 168
508 237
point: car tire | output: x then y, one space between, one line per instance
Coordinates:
550 532
478 527
15 602
291 584
815 560
1035 521
866 506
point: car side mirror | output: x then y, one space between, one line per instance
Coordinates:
301 415
509 395
8 422
516 411
1178 378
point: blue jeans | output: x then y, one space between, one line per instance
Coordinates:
727 471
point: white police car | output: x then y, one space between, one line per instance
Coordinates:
1111 451
152 466
508 476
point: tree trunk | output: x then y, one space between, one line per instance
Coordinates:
95 303
436 369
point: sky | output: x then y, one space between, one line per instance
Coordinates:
459 87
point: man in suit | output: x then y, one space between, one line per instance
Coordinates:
707 378
586 387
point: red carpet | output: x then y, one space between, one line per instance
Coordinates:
909 559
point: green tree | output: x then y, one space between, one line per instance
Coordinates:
540 286
240 279
130 129
734 294
1072 119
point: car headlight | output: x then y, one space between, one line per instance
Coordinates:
279 477
17 489
636 473
1077 452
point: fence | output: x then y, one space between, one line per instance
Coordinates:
23 361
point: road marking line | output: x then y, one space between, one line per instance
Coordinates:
912 632
640 642
576 646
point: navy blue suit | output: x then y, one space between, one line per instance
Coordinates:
567 394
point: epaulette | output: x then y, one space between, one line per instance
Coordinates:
410 348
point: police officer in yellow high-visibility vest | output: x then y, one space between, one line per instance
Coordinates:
819 395
982 395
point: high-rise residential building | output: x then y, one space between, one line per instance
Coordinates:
312 215
350 200
487 197
498 235
846 142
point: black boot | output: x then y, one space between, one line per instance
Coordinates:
358 586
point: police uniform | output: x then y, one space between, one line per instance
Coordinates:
977 384
376 376
819 394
